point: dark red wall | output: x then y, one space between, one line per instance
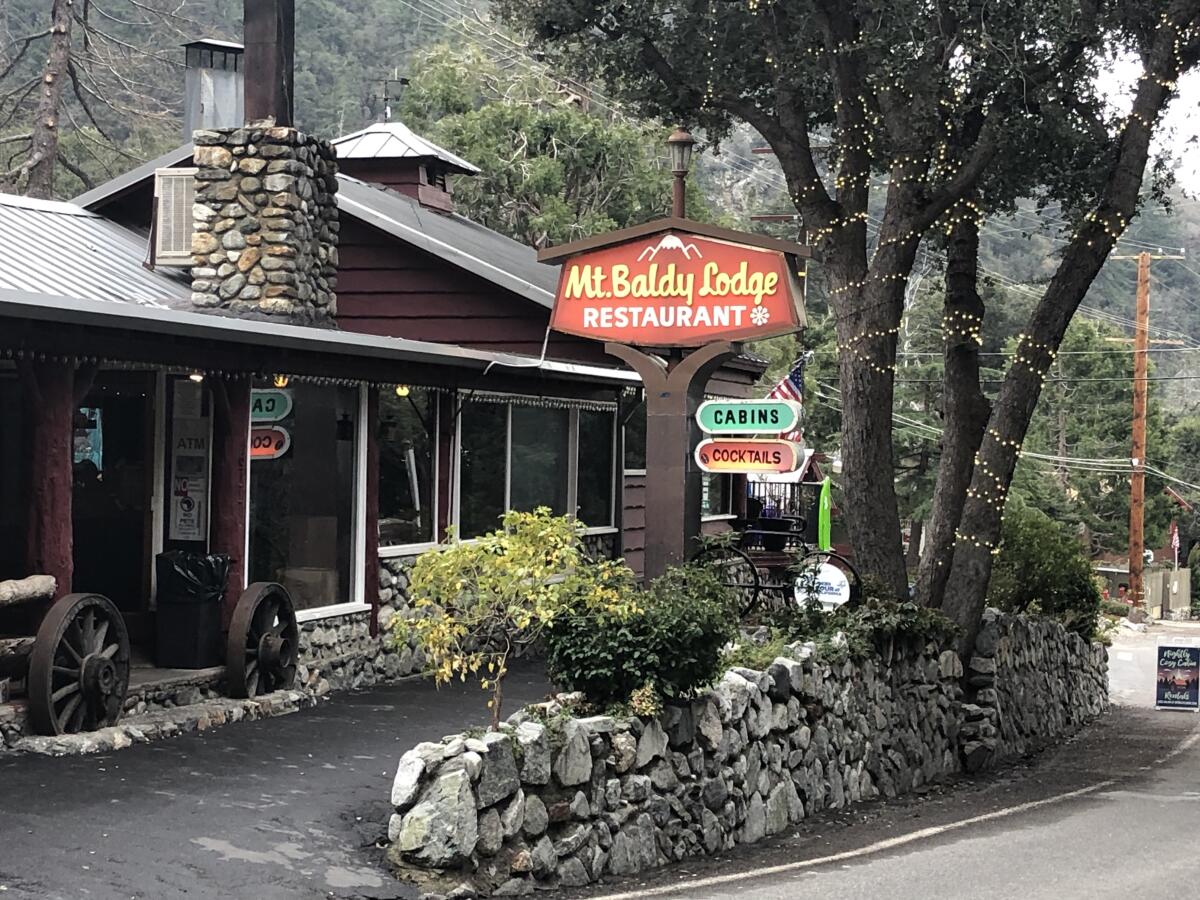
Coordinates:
387 287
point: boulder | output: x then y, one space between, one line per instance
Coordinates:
498 778
442 829
407 782
535 753
573 764
652 744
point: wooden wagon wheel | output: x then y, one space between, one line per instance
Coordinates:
79 668
264 642
737 572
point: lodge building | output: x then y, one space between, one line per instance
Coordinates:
298 354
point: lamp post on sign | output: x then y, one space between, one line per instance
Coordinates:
673 299
679 147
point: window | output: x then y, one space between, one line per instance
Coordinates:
635 439
540 471
595 502
303 490
407 453
716 498
514 456
483 446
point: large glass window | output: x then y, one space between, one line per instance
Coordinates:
595 467
540 466
483 452
302 491
407 449
531 456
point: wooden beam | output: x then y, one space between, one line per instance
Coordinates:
231 471
50 405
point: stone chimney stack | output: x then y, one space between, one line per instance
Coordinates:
265 215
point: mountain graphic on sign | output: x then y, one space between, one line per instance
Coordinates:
670 242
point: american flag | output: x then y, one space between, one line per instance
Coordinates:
791 387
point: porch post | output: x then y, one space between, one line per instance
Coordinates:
49 389
371 501
673 487
231 471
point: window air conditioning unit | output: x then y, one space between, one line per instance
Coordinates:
174 191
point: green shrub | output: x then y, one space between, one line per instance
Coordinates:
1041 568
672 642
477 601
1114 608
749 654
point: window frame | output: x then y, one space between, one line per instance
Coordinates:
509 401
391 551
357 602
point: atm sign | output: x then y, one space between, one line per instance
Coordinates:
748 416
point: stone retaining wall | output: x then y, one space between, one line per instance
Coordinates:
552 800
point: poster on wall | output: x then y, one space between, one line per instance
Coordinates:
188 520
1177 685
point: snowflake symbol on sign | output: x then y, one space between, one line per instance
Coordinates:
759 316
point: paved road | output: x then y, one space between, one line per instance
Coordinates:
283 809
292 808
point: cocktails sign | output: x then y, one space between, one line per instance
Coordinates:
724 455
676 288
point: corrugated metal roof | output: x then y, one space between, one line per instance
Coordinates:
469 245
395 140
59 249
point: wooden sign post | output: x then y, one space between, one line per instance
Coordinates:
676 284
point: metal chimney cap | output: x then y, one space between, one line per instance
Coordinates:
214 44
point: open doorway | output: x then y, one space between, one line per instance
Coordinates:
112 500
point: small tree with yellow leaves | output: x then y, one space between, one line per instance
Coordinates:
478 601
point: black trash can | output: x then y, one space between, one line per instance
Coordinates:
188 623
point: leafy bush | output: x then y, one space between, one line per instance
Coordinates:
1114 608
476 601
670 644
1042 568
749 654
867 626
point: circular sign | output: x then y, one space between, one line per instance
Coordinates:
826 584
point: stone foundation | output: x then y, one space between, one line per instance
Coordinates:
552 800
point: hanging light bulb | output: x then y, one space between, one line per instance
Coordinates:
281 381
402 390
197 376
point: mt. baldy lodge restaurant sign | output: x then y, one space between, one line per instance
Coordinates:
676 283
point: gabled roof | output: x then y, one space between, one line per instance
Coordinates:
127 181
58 249
658 226
488 254
394 140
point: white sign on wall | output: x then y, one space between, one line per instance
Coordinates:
190 439
827 584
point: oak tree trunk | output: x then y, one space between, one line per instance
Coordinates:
964 408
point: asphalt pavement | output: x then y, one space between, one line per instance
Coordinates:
296 808
279 809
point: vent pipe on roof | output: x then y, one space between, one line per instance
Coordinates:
269 30
213 86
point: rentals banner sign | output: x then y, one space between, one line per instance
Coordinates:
1178 683
678 289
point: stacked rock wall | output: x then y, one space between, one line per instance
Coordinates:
265 223
339 653
554 800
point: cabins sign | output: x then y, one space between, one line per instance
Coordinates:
678 288
748 416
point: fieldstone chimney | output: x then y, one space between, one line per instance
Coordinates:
265 223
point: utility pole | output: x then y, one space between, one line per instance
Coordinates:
1137 456
1137 482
